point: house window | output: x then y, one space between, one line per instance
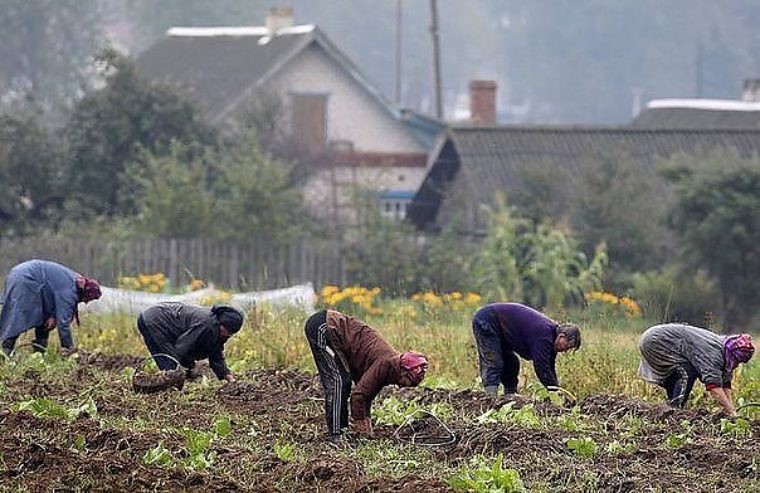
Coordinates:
309 121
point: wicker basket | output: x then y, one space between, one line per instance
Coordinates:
149 383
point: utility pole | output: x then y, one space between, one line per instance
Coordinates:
436 59
398 50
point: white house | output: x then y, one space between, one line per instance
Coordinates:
362 141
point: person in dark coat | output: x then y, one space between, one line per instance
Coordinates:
190 333
43 295
504 331
674 356
346 349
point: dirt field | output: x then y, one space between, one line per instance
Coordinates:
274 439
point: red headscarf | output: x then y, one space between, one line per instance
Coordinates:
88 290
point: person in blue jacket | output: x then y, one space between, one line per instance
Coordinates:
43 295
504 331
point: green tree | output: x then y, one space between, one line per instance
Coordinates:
112 126
540 265
717 215
622 202
31 191
255 196
174 201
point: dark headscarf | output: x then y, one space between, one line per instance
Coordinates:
230 317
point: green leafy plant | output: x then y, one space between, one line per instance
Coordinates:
582 447
487 478
48 408
286 451
677 440
739 427
573 421
394 411
80 443
222 426
507 414
617 448
159 456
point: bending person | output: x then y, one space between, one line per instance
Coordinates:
504 331
674 356
347 349
190 333
43 295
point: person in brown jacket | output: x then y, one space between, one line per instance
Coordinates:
346 349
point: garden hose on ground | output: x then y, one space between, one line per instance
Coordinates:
748 405
422 440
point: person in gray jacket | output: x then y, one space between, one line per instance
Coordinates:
190 333
674 356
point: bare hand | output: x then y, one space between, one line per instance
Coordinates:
50 324
363 426
230 377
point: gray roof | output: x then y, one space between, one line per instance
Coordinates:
217 70
694 118
472 164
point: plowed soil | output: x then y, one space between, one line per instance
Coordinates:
276 440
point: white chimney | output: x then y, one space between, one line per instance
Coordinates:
751 90
279 18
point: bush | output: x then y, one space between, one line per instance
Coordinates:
671 295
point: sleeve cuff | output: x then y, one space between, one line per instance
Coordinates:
727 385
711 386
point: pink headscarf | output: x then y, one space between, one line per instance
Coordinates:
739 349
415 365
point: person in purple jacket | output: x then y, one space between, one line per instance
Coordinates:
504 331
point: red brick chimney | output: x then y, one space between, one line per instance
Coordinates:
483 102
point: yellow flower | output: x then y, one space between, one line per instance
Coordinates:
328 290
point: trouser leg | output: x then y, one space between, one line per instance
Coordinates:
41 336
679 384
163 363
511 372
688 382
335 379
490 356
8 345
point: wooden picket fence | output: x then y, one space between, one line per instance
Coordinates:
239 266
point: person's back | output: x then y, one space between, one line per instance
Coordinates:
361 345
523 328
172 319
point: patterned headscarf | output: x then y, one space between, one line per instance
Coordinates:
415 365
739 349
